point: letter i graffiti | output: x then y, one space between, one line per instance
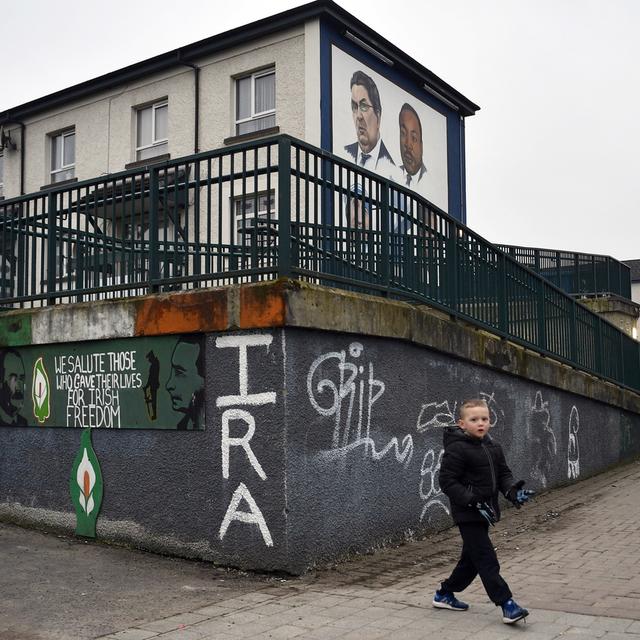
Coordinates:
85 486
41 392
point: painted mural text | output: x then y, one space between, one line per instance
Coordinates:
92 383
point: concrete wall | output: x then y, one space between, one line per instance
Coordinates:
321 441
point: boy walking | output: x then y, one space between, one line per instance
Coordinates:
472 472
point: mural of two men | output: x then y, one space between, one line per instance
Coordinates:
369 151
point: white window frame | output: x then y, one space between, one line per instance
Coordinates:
54 171
155 142
255 115
251 218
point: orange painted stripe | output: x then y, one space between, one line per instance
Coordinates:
86 489
198 311
262 306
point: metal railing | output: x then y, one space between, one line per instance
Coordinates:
576 273
279 207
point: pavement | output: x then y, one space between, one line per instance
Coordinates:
572 558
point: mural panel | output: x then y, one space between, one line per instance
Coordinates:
138 383
385 129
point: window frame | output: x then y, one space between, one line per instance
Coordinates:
154 106
63 168
1 175
255 116
269 214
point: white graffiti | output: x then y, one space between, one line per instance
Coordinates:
436 415
348 395
543 440
430 491
573 456
496 413
253 516
236 414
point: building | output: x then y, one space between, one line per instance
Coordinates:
289 73
276 424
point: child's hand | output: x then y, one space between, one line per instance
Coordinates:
487 512
517 495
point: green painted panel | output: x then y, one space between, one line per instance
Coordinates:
15 330
85 487
135 383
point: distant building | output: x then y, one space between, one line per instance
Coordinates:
634 265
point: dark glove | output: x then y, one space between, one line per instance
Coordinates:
486 511
517 496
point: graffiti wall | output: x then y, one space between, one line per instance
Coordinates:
311 443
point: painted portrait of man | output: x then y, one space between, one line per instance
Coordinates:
186 382
369 151
412 168
12 379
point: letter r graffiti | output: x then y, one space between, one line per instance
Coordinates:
228 442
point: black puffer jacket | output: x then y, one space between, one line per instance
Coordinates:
472 468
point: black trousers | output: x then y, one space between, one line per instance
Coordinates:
478 558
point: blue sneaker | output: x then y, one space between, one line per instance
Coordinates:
448 601
512 612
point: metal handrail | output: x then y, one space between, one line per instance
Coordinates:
188 223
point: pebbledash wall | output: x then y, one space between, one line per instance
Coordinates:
322 429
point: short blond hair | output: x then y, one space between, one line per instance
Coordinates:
469 404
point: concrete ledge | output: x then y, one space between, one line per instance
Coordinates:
294 303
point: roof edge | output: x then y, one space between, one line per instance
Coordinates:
227 39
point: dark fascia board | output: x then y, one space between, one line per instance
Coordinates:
279 22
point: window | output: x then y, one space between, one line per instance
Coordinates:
256 102
1 175
63 156
152 128
246 224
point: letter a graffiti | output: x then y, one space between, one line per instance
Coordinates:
253 516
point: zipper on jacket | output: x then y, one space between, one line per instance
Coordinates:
493 473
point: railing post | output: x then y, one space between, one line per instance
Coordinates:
453 266
542 323
503 310
385 255
623 371
598 339
154 258
284 207
52 216
573 332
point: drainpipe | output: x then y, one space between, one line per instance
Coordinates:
196 100
22 139
23 135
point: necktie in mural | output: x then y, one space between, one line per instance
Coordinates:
363 159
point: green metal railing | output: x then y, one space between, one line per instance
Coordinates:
575 273
279 207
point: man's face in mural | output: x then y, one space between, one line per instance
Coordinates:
410 142
12 393
184 381
365 118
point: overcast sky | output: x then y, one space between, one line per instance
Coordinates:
552 156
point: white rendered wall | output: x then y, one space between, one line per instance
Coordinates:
105 123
